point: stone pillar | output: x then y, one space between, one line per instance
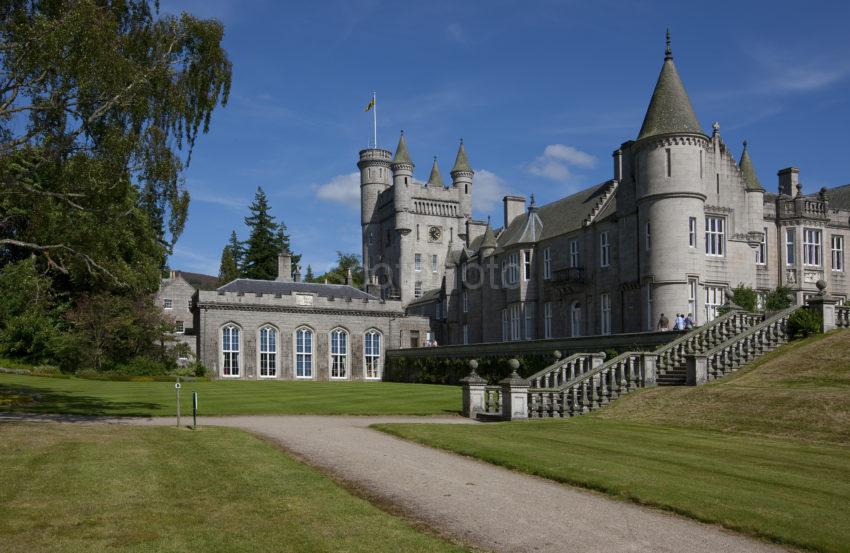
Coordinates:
697 370
648 364
825 307
597 359
514 395
473 392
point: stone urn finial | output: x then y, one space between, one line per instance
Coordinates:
513 364
557 354
821 285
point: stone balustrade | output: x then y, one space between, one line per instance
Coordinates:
842 316
673 355
740 349
563 370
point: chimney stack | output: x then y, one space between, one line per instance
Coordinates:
284 267
514 207
348 280
789 181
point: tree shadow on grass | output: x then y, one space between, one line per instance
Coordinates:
24 399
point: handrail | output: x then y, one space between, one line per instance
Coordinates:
593 372
560 364
735 311
753 329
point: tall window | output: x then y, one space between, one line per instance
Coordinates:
268 352
605 312
547 319
178 327
575 258
811 247
650 323
604 250
714 236
505 328
417 289
713 301
433 263
417 262
504 272
575 319
303 353
166 303
526 264
647 236
230 350
465 301
547 263
692 231
515 322
529 321
372 354
513 268
669 165
761 251
790 246
339 353
692 298
465 334
837 252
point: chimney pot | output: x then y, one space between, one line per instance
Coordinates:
789 181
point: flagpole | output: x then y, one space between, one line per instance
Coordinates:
374 119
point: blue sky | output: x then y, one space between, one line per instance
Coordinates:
541 91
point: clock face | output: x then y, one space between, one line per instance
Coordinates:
434 233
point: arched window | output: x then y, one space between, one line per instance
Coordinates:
339 353
575 319
230 351
372 355
303 353
268 352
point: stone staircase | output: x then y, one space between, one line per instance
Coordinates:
585 382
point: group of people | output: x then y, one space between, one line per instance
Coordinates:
431 343
680 323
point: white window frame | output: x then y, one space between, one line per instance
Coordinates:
167 303
547 319
604 249
790 246
302 355
372 355
267 354
231 351
761 251
605 313
505 326
715 236
692 298
529 321
417 289
417 262
434 263
526 264
575 253
837 252
692 230
178 327
714 298
516 318
513 268
812 247
338 353
575 319
547 263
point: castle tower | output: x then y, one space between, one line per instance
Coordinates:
374 165
462 175
670 193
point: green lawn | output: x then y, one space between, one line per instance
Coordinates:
89 488
34 394
766 451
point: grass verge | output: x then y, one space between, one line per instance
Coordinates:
80 488
33 394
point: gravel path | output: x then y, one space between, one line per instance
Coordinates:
478 503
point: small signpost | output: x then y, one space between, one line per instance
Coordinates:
194 410
177 387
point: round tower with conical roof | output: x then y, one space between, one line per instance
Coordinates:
375 178
669 189
462 174
402 167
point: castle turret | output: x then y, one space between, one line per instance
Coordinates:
374 165
748 171
401 165
462 175
488 243
402 168
435 179
669 166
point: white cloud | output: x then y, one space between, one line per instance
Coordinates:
558 160
488 189
342 188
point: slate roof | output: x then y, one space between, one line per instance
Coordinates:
461 161
401 155
839 197
253 286
749 171
436 179
427 296
559 217
670 109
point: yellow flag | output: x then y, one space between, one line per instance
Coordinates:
370 105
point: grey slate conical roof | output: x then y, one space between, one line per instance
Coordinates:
670 109
401 155
489 239
749 171
461 161
435 179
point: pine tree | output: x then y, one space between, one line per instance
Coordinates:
309 276
228 270
262 246
237 251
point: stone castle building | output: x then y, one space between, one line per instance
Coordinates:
680 222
